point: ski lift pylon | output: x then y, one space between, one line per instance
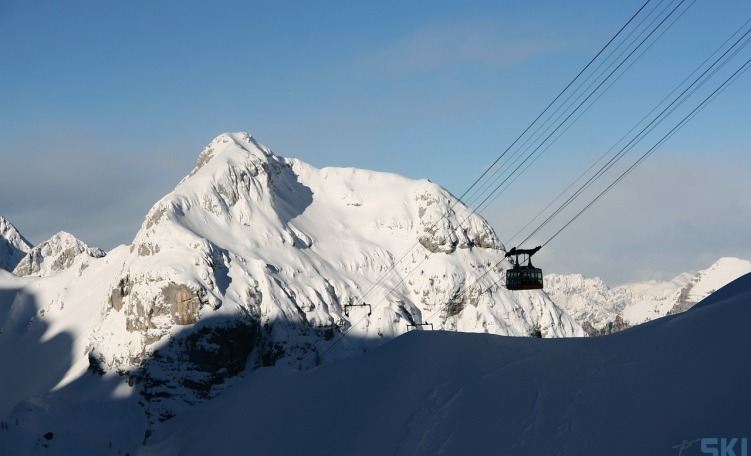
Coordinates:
347 306
421 325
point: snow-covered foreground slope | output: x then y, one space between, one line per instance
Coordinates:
642 391
654 389
46 323
602 310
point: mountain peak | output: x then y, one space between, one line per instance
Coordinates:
54 255
234 177
227 143
13 246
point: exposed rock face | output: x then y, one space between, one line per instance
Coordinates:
618 324
446 234
54 255
13 246
194 363
684 301
184 301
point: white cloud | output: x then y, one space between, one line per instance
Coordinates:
439 46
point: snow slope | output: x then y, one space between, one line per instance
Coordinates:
46 324
642 391
653 389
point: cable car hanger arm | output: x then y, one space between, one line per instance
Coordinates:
514 251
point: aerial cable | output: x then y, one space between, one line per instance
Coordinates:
670 133
493 195
451 207
679 100
585 172
557 128
649 152
474 184
547 108
580 104
659 143
493 178
641 43
691 115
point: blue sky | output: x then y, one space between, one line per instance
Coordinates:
104 106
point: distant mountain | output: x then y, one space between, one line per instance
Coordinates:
602 310
13 246
54 255
257 260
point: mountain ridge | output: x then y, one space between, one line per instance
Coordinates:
603 310
53 255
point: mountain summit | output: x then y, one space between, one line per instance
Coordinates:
13 246
53 255
271 258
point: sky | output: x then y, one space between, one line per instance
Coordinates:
105 106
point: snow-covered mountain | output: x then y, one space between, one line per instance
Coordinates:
256 260
13 246
53 255
602 310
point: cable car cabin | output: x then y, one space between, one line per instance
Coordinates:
523 276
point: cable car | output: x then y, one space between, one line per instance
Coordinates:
523 276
